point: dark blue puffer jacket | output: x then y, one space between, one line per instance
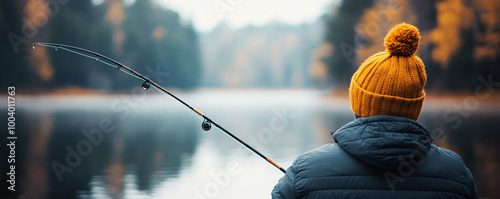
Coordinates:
378 157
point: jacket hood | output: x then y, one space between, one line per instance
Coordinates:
384 142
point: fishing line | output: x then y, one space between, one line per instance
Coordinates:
147 83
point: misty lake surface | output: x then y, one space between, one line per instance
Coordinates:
143 145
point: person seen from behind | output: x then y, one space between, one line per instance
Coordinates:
384 152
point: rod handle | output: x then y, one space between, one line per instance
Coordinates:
276 164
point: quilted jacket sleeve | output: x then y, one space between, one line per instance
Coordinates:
285 188
472 186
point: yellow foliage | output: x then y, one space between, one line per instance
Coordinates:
115 14
489 40
452 17
318 69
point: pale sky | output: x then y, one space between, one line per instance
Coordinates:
206 14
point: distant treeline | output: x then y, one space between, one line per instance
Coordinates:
272 55
460 39
150 39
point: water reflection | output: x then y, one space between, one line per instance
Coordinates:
161 151
142 149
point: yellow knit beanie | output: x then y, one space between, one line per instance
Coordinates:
391 82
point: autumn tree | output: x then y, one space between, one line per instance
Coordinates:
340 34
460 38
142 36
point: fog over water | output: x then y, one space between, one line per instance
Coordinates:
153 147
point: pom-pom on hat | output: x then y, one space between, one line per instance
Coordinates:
391 82
402 40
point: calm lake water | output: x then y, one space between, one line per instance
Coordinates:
140 145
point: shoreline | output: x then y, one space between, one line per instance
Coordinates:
325 94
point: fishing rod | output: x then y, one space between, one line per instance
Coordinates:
206 125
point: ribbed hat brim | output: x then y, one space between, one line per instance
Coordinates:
365 103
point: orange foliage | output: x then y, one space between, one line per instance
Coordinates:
119 36
40 61
489 40
452 17
37 14
377 21
159 33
